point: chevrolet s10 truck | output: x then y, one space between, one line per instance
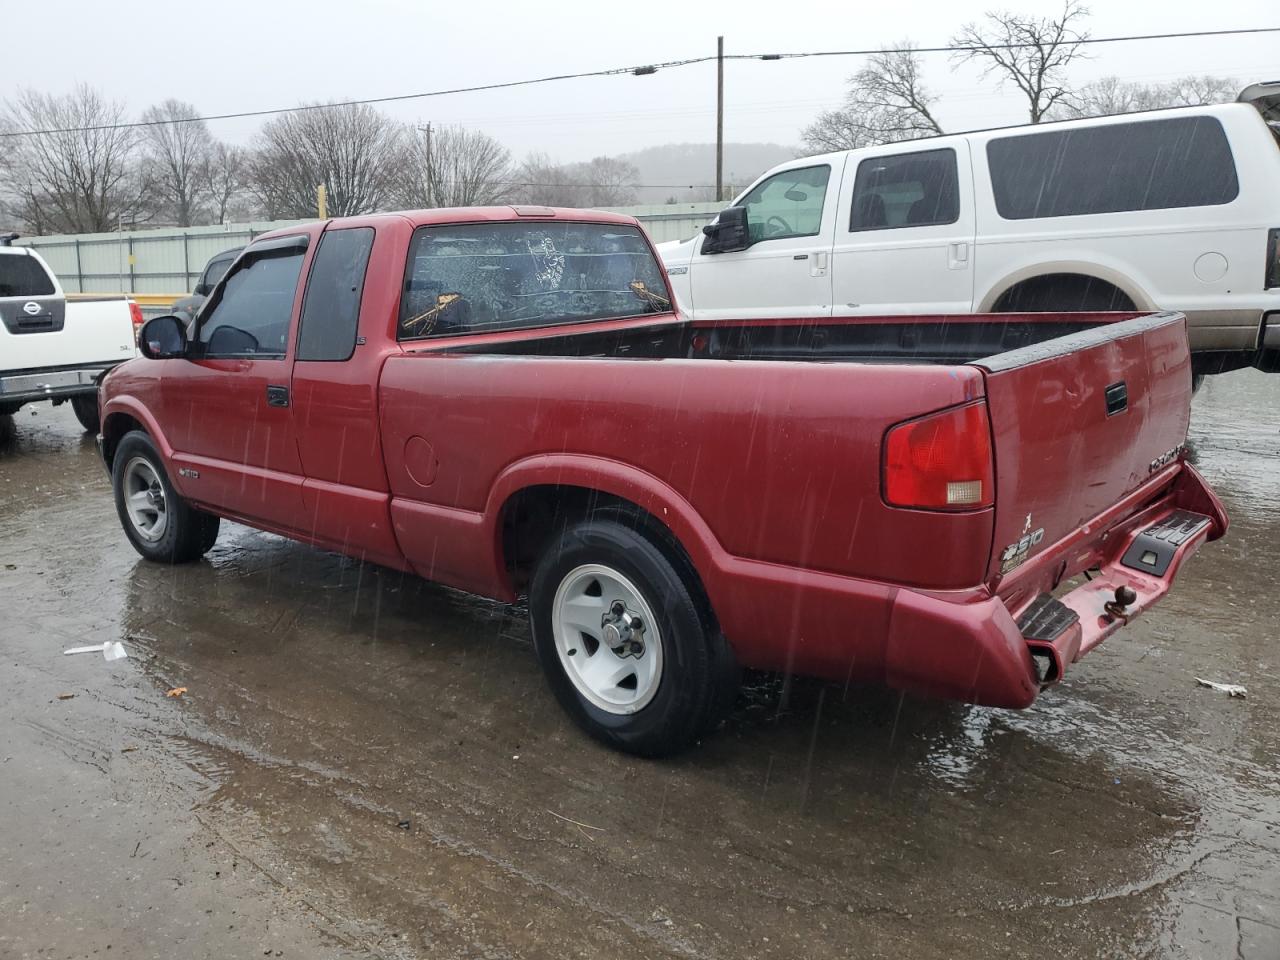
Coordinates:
504 400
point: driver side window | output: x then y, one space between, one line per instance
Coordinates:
254 306
788 204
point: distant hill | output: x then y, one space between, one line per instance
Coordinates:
694 164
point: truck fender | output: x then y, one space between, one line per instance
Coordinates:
1081 267
134 408
616 479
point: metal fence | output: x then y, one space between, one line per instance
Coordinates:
166 263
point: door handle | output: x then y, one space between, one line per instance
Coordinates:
958 255
818 266
277 396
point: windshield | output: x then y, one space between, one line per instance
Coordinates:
496 276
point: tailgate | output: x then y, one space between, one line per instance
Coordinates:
1080 421
83 332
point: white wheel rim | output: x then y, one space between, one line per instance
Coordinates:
585 606
144 499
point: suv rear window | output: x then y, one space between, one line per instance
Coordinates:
1151 165
22 276
478 277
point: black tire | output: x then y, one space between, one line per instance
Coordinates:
86 409
699 675
9 409
187 533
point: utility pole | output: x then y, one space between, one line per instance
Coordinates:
322 201
719 119
428 171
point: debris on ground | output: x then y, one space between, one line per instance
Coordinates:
1230 689
65 696
111 650
176 692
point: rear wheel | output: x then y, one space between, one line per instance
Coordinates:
9 409
158 522
86 409
622 639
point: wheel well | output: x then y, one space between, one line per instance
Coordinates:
532 516
1062 291
113 429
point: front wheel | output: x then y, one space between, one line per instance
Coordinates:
623 639
158 522
86 410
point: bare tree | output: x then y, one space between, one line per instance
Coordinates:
601 182
1032 52
1111 95
177 154
886 102
224 179
542 181
607 181
454 167
1193 91
354 150
83 175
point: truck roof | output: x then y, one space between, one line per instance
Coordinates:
421 218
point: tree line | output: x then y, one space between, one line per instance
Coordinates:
887 101
92 172
88 168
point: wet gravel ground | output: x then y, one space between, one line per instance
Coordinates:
365 765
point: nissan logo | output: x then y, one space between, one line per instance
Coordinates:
31 308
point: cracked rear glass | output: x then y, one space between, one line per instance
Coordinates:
478 277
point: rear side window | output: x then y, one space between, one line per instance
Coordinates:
477 277
253 309
906 190
22 276
331 306
1153 165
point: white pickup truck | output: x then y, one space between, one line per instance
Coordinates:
57 347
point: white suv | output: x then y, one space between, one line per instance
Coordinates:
1171 209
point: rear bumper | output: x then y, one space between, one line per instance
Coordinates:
974 650
30 385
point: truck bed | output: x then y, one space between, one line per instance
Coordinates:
940 339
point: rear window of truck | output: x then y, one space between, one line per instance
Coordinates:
478 277
22 276
1151 165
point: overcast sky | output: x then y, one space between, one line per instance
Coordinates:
230 55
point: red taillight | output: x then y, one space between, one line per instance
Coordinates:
135 314
941 462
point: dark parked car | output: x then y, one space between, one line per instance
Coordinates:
214 270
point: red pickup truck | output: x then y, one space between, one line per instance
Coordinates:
505 400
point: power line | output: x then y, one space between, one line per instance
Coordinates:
640 70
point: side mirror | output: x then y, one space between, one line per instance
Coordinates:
163 338
201 290
728 233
